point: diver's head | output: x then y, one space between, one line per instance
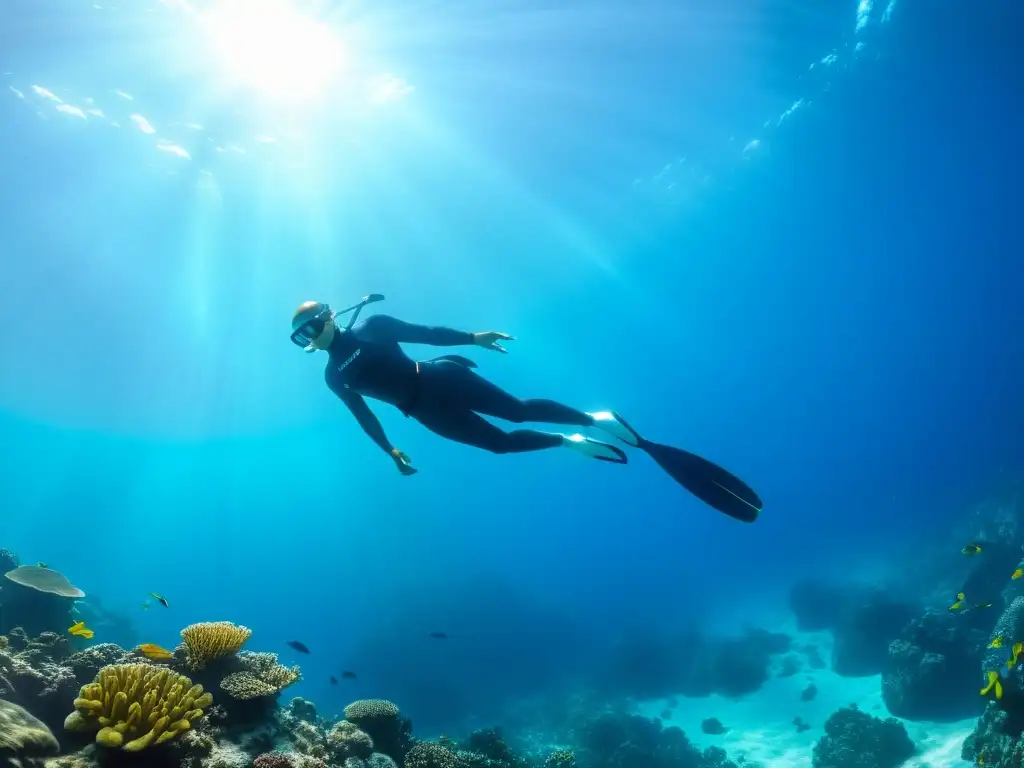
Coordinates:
313 326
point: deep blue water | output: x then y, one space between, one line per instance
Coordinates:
832 312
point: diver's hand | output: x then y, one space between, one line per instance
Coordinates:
490 339
403 462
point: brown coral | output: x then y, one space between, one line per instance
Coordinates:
382 721
370 709
262 675
347 740
22 735
211 640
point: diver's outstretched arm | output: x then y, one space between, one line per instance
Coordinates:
366 418
371 426
384 328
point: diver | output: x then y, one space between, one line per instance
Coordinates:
447 396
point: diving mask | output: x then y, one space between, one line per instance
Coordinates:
303 335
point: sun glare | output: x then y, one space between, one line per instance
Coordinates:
271 47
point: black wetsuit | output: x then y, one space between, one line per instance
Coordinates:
443 394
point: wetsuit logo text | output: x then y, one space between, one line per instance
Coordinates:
348 362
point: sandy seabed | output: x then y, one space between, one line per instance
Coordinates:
760 726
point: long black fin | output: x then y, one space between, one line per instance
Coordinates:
713 485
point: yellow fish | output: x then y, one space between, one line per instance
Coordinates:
1018 649
80 630
1017 574
959 604
996 642
994 686
981 759
972 549
154 652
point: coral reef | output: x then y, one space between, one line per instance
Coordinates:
33 674
273 760
855 739
347 740
122 702
934 669
381 719
23 737
428 754
145 704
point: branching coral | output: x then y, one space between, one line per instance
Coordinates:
211 640
150 704
262 676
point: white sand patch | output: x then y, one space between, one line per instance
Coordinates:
761 724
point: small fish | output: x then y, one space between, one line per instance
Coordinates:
154 652
959 604
1017 650
438 635
972 549
983 605
997 642
161 600
80 630
334 680
41 564
145 605
995 686
300 647
1017 574
348 674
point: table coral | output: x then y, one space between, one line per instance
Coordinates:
261 675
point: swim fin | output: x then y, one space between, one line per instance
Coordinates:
707 481
595 449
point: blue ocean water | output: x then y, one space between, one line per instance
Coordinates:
784 238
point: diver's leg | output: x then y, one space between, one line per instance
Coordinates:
462 425
478 394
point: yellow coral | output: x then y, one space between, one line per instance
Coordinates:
147 704
212 639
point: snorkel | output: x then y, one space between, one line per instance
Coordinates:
304 334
